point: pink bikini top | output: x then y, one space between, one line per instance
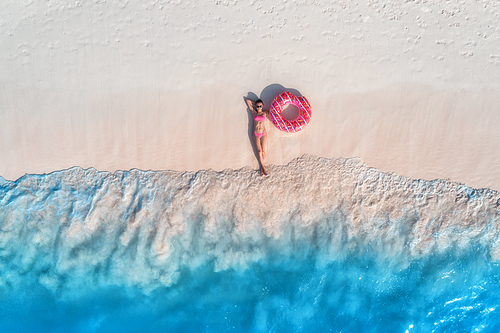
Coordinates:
259 118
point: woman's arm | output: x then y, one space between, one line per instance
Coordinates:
250 104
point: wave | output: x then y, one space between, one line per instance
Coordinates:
78 227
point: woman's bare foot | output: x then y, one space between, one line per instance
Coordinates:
264 171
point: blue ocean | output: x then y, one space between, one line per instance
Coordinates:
321 245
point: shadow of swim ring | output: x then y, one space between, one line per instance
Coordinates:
283 124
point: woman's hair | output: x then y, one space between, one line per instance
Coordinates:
259 101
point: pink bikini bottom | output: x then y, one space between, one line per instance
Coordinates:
259 135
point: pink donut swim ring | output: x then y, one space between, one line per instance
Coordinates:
290 126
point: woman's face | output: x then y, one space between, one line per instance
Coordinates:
259 107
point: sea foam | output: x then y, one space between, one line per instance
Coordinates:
319 245
142 228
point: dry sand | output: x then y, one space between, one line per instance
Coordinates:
409 87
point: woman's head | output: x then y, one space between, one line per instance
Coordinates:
259 104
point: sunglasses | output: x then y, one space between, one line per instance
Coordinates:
259 106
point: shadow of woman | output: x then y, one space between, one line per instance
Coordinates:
253 97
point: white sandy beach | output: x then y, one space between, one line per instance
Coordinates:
411 88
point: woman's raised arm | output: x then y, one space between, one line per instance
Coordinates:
250 104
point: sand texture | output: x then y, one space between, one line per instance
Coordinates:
409 87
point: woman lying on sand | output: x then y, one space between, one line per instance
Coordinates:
259 131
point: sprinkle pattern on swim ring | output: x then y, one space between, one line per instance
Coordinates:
276 112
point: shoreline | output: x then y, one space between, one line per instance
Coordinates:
276 169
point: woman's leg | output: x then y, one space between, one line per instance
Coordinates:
263 157
261 144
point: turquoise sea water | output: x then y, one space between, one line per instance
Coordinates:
319 246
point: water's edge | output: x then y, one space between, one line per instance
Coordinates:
321 244
143 227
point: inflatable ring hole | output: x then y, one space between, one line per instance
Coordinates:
290 112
